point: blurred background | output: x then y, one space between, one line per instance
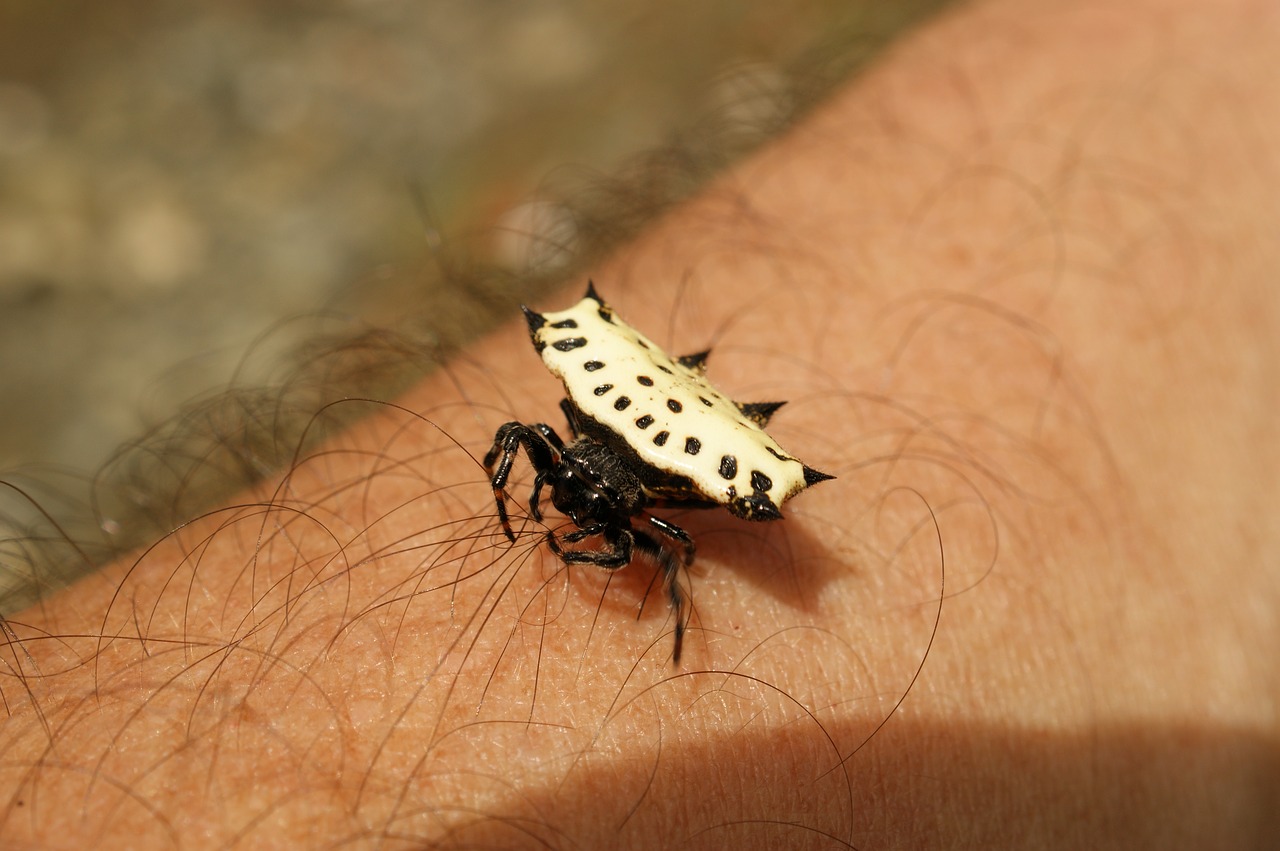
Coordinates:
180 181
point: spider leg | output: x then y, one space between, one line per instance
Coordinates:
571 417
620 543
585 532
543 454
618 540
549 435
670 564
674 532
536 495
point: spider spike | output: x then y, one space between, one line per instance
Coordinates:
535 320
591 292
757 506
759 412
696 361
812 476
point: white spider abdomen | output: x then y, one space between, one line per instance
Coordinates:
666 412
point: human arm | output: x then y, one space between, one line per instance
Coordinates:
1016 284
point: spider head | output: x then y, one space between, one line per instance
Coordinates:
592 484
576 494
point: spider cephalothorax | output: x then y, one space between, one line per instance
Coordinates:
648 431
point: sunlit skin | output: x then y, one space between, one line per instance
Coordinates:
1018 284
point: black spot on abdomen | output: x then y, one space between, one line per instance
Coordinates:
592 365
776 454
660 439
602 389
674 407
644 422
729 468
568 344
692 446
759 481
622 403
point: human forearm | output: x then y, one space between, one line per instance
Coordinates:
1015 283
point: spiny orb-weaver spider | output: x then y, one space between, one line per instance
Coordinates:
648 431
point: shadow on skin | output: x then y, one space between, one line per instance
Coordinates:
916 783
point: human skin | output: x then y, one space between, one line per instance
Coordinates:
1018 284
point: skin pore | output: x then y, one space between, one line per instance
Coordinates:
1018 286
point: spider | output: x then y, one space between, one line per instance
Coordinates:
639 421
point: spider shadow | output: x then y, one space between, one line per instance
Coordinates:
787 561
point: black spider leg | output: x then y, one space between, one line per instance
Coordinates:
550 436
674 532
620 542
618 539
541 444
571 416
667 560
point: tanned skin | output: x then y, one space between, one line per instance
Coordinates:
1019 285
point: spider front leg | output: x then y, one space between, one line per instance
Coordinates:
541 444
550 436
